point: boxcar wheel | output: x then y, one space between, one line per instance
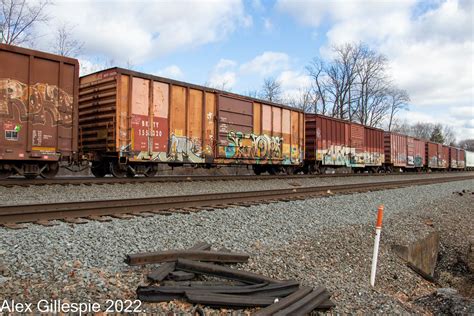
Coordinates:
130 173
98 169
116 171
5 173
49 171
150 172
30 176
272 170
290 170
257 170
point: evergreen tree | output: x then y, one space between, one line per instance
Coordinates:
437 135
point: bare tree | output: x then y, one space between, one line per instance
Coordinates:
271 90
251 93
372 86
17 18
397 100
449 135
223 86
316 70
422 130
354 85
305 100
467 144
65 44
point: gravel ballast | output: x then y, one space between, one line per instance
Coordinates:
325 241
59 193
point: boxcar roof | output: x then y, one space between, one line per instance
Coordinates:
343 121
39 54
190 85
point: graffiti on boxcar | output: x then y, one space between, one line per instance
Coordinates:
182 148
251 146
337 155
433 162
45 103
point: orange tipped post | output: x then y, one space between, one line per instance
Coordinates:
379 217
378 230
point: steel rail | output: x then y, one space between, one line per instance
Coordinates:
64 210
11 182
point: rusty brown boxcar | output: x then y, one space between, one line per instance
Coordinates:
373 148
444 157
129 122
432 155
456 158
437 155
38 111
396 150
416 153
332 142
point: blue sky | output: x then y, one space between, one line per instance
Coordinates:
430 44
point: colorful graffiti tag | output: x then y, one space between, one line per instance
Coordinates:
251 146
337 155
180 149
46 104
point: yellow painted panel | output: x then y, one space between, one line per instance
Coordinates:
122 111
257 116
178 111
195 115
209 124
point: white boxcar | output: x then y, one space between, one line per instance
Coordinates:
469 160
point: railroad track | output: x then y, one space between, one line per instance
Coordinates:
12 182
11 216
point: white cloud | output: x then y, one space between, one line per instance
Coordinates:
267 24
139 30
224 75
431 51
293 82
268 63
173 72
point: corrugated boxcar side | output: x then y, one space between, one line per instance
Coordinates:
395 149
419 153
410 152
444 157
38 105
374 146
98 112
155 119
357 140
432 154
327 140
252 132
453 157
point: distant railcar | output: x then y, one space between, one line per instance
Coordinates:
336 143
130 122
38 111
396 151
469 160
437 156
456 158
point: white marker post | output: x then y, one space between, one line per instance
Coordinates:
378 230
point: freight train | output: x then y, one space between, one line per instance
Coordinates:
126 123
